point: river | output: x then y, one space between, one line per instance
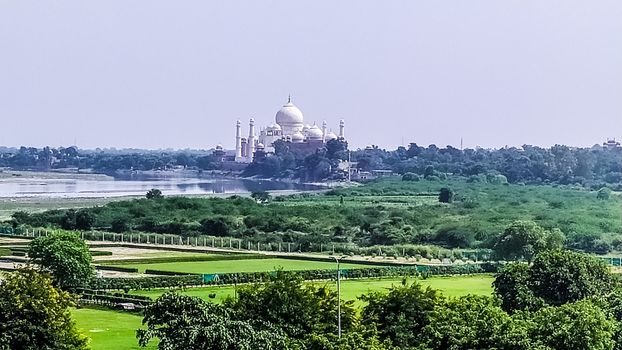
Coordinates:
52 185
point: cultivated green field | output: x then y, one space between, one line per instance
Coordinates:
251 265
109 330
453 286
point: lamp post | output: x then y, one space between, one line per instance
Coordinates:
338 260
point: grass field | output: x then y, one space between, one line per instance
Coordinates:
109 330
454 286
251 265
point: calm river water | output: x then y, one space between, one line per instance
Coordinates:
136 185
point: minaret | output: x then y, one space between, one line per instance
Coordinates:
251 139
342 129
324 131
238 140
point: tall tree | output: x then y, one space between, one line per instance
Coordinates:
35 315
555 278
524 239
181 322
66 256
299 309
402 313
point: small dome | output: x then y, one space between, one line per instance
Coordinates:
274 127
306 128
330 136
314 133
219 147
297 137
260 146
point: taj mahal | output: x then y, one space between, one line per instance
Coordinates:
289 127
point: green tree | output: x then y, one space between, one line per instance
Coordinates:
513 286
120 224
410 177
261 197
580 325
299 309
446 195
604 193
555 278
154 193
473 322
35 315
20 217
84 219
66 256
219 225
562 277
402 313
524 239
181 322
352 340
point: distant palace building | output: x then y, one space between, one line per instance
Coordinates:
290 128
611 144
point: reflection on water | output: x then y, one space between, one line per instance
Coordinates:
136 186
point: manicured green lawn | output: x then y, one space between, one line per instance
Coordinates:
251 265
109 330
453 286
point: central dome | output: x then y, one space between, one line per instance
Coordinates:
290 118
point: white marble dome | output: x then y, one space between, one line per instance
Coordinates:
330 136
314 133
298 137
290 118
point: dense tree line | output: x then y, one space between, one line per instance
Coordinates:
591 167
105 161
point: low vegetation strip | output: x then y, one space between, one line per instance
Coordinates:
178 281
184 259
234 266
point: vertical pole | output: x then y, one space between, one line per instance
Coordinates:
338 300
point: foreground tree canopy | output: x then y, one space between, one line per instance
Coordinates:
556 277
34 314
66 256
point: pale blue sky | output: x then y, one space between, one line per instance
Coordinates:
159 74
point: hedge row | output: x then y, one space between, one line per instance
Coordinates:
115 299
100 253
125 296
146 282
178 259
117 268
168 273
177 281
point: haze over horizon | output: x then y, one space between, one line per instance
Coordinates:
160 74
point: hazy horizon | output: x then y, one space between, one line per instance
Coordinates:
160 75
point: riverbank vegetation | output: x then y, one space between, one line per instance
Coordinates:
386 212
594 167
